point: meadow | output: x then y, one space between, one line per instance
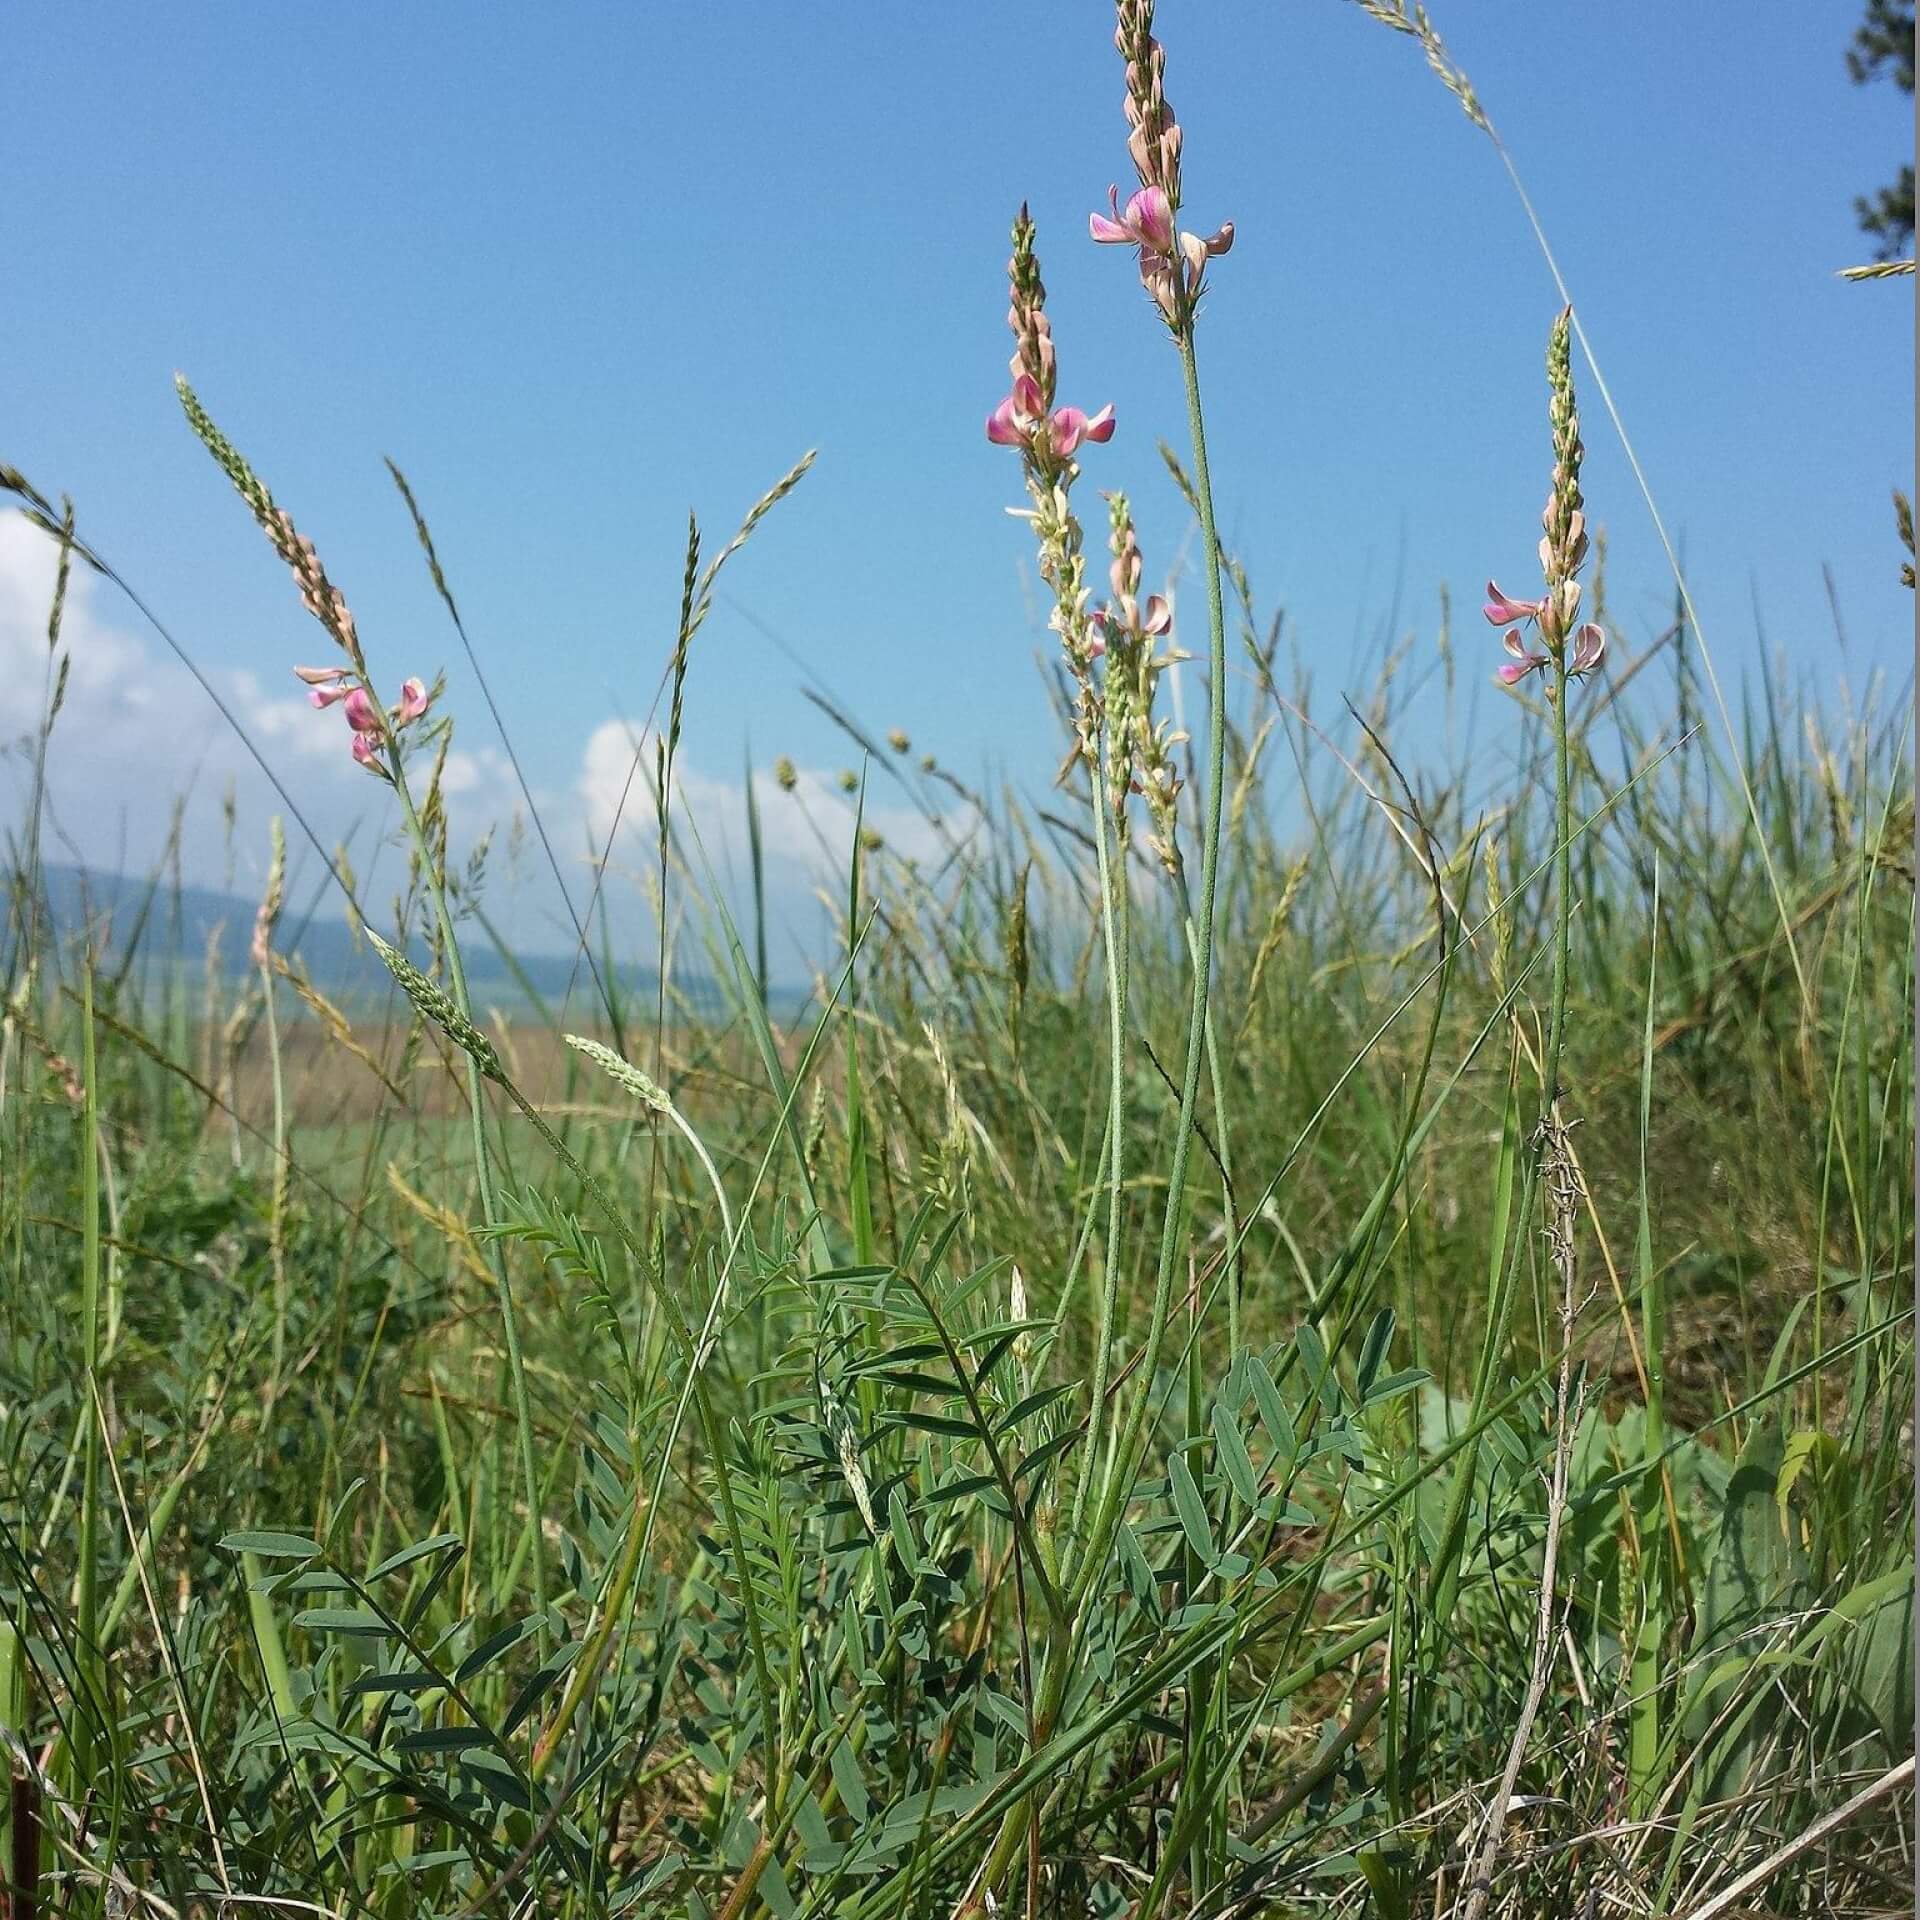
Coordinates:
1290 1329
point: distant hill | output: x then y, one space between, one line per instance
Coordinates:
158 927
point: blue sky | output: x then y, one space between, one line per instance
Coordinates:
579 268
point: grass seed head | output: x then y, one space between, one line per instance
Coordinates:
437 1008
622 1070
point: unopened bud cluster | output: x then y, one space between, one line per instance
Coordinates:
1563 545
318 594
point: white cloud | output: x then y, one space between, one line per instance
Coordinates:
805 836
104 675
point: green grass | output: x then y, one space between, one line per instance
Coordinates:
1026 1435
1735 1576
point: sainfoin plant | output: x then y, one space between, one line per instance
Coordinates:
1276 1335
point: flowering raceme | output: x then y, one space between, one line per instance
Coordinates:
1563 550
1047 439
1173 264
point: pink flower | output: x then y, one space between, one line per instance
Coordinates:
1502 610
1003 425
1147 222
1170 262
1071 427
368 726
1589 643
1513 671
1126 614
1155 621
1021 416
1197 251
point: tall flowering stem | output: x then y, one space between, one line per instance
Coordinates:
1566 654
371 728
1047 440
1172 268
1174 277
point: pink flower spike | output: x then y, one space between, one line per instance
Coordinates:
1502 611
326 696
414 701
1589 643
320 676
362 715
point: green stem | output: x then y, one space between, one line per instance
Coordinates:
87 1587
1453 1526
1217 1090
1122 1467
277 1220
1121 1471
1562 892
489 1211
1114 918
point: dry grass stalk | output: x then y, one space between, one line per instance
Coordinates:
1564 1194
